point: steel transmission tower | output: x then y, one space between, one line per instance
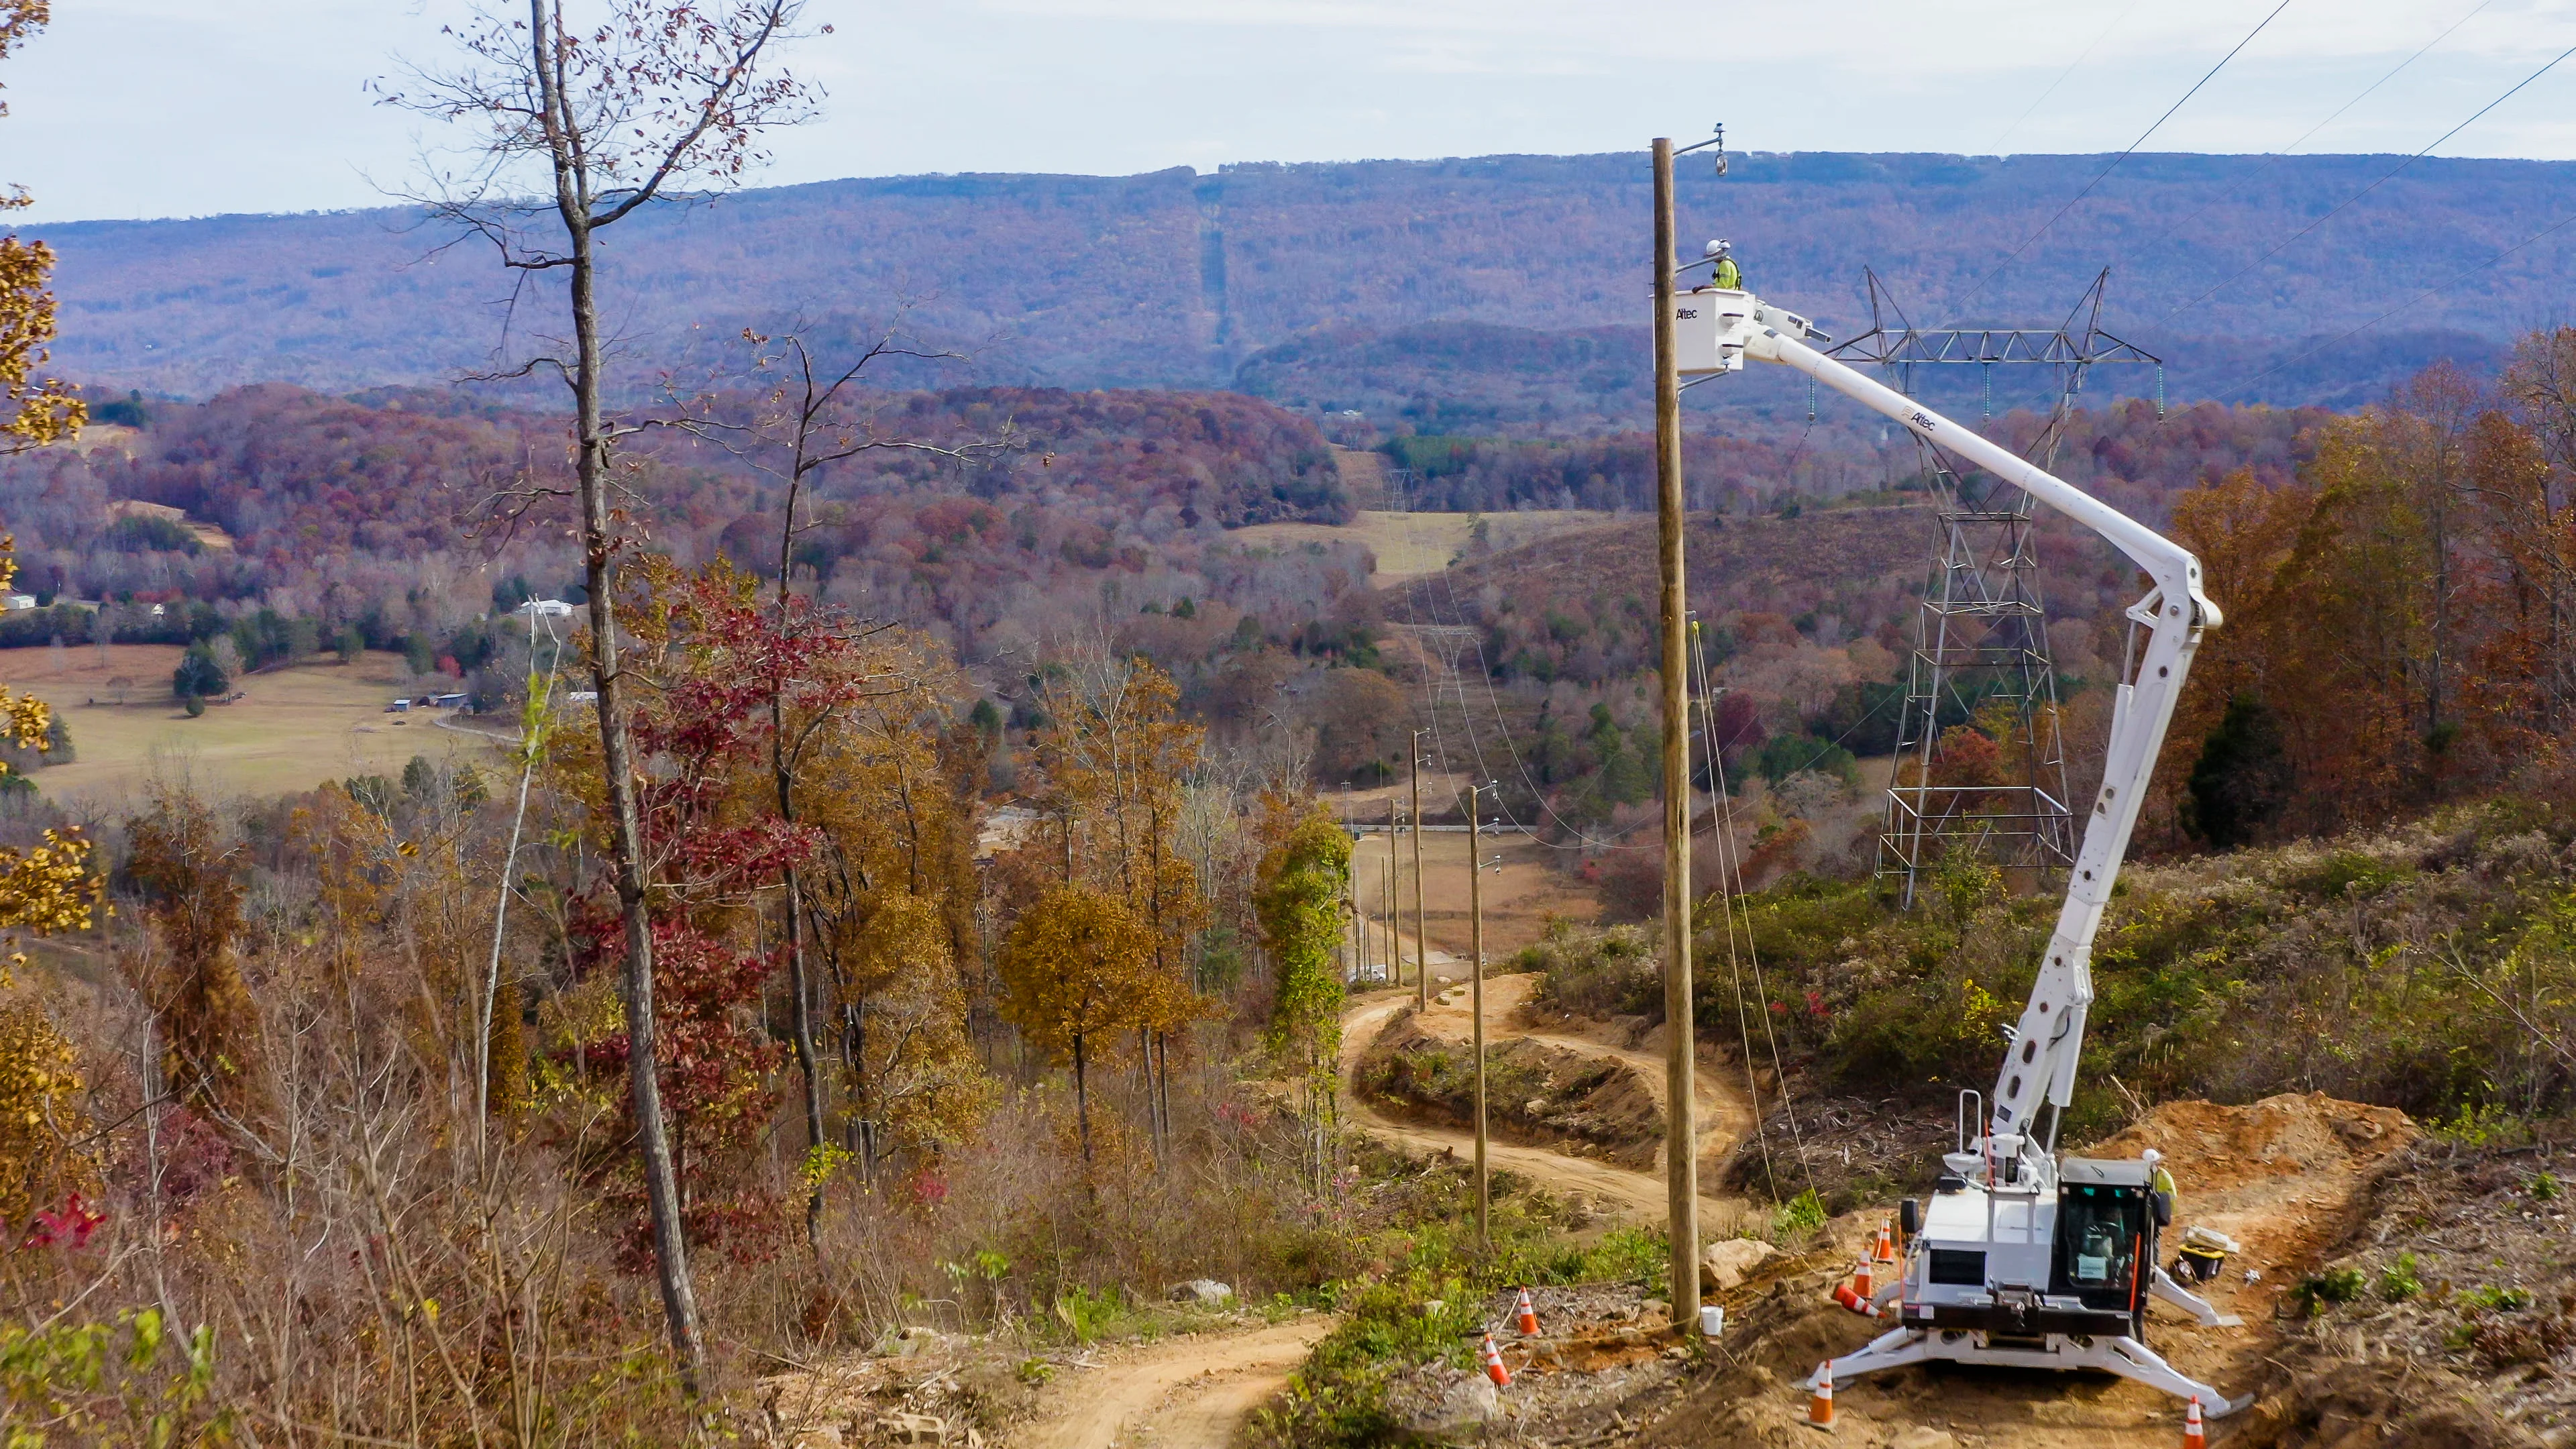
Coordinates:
1981 650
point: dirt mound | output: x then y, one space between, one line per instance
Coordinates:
1590 1105
2287 1176
2232 1147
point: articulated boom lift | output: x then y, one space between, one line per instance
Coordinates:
2025 1258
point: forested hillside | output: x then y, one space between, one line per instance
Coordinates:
398 513
1176 279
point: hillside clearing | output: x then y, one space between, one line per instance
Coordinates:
293 729
1412 546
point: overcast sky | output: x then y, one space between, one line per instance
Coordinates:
143 108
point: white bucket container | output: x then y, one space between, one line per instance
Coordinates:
1712 1320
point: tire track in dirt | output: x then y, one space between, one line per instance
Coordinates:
1190 1393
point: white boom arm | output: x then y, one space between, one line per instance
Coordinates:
1714 331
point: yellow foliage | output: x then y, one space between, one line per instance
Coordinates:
1073 966
24 719
49 890
40 1089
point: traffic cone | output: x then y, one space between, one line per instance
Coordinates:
1844 1295
1529 1316
1861 1281
1884 1250
1494 1369
1820 1407
2193 1435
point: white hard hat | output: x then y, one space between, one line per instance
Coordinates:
2151 1157
1717 248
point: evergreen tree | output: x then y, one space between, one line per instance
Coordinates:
2242 781
199 674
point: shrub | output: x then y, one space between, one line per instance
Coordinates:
2398 1281
2488 1298
1800 1215
2334 1285
1601 973
2346 872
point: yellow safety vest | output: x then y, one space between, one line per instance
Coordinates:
1727 275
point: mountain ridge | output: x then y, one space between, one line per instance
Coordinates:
1176 278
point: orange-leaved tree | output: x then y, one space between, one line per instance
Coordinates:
189 870
1117 759
1074 968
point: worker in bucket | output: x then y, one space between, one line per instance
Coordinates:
1725 274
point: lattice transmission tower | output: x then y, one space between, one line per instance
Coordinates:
1981 654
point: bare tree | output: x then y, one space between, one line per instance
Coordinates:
581 126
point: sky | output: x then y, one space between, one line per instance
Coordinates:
153 108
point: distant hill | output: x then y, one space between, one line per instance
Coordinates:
1511 284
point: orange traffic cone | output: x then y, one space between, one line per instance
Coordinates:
2193 1435
1861 1281
1494 1369
1529 1316
1884 1250
1820 1407
1844 1295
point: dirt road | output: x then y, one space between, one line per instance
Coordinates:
1186 1393
1620 1190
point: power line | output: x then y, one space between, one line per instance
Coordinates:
2115 24
2097 180
2284 153
1485 676
2390 175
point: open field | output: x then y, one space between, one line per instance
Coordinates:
1520 899
294 728
1418 545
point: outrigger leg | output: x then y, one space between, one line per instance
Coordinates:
2164 1287
2123 1356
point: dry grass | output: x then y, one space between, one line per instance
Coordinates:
1417 545
295 728
1521 898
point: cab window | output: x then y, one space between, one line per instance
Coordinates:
2098 1232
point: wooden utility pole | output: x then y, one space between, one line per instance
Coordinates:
1421 942
1394 937
1681 1134
1359 921
1476 993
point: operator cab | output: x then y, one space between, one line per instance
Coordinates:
2020 1258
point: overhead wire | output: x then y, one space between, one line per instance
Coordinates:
2015 254
1485 677
2277 157
2391 174
2116 23
1734 963
1730 867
